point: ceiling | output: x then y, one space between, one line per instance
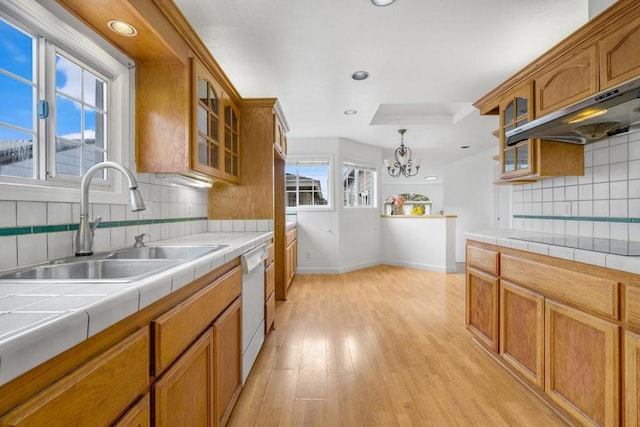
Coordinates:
428 61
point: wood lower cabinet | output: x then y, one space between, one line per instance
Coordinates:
291 258
269 290
184 395
482 307
582 364
632 379
522 331
96 394
227 359
137 416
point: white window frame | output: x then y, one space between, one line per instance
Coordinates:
330 183
374 183
71 36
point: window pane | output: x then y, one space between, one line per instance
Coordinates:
16 52
509 161
202 120
202 150
90 158
202 91
17 99
16 153
68 77
68 156
94 129
68 119
94 91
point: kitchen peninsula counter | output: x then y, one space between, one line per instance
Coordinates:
426 242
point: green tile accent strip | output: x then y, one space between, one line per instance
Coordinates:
14 231
580 218
38 229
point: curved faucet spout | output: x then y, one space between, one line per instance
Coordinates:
84 237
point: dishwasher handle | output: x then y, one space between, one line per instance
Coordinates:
253 258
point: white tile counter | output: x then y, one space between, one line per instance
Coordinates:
630 264
41 320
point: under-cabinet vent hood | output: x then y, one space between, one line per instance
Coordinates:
614 111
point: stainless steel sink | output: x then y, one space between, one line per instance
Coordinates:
98 270
164 252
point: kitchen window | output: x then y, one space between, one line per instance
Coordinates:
66 101
359 185
308 183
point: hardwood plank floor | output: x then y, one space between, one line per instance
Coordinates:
383 346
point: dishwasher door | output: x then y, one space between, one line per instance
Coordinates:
252 306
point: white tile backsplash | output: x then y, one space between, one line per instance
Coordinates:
32 213
610 188
32 249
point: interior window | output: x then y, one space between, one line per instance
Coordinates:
358 185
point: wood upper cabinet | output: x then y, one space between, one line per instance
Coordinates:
215 139
184 395
533 158
522 331
572 80
482 307
516 109
582 364
280 136
95 394
619 59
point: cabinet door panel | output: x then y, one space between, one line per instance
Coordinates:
582 364
619 59
95 394
138 416
632 379
574 79
184 394
482 307
522 331
227 340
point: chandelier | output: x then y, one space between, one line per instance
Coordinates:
402 164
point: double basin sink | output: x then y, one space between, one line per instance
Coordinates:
121 266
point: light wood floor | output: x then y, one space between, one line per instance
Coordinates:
384 346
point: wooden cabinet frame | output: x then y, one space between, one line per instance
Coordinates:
482 322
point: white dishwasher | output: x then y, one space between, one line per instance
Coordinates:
252 306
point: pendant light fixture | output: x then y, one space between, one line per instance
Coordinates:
402 163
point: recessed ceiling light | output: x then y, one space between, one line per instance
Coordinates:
465 146
430 178
382 2
122 28
360 75
350 112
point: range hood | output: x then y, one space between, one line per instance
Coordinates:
614 111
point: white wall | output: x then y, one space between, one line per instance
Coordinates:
597 6
469 193
338 240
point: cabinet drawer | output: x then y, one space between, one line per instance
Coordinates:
270 254
483 259
632 305
292 235
269 280
269 313
179 327
95 394
589 292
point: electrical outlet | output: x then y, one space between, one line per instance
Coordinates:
145 214
308 254
565 208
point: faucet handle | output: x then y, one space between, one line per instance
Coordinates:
95 223
139 243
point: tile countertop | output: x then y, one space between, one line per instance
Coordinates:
630 264
39 321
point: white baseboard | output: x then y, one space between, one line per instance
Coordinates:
347 269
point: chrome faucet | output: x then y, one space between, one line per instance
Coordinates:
84 238
139 243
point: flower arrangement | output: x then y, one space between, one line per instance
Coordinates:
396 201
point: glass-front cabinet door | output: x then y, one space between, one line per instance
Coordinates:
216 131
516 110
